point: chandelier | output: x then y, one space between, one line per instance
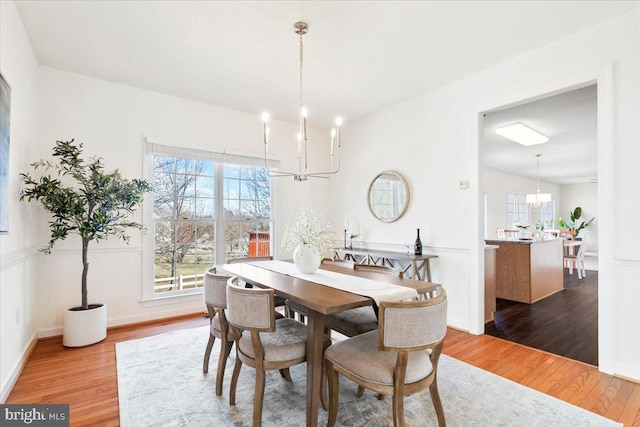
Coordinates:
538 199
301 28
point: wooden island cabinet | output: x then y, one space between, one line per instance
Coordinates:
527 270
489 282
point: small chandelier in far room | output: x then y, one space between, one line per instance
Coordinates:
301 28
538 199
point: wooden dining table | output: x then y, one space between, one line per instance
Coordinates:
320 300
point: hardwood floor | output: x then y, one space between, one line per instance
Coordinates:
86 377
565 323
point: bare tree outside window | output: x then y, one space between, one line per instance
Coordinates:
247 201
184 221
186 224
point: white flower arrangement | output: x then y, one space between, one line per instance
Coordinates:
307 230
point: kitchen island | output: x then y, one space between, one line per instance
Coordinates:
528 270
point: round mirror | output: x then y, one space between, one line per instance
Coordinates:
388 196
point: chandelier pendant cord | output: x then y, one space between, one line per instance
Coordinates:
538 156
538 199
302 138
300 99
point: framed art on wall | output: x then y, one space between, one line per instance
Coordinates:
5 114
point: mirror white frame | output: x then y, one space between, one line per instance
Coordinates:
388 196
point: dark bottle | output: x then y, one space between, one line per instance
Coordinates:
418 246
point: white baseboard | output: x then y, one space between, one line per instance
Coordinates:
17 370
459 325
138 318
126 320
627 372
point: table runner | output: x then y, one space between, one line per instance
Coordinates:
378 291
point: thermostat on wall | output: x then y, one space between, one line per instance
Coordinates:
463 185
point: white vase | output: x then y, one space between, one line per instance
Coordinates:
306 258
522 233
85 327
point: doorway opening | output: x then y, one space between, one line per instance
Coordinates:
562 319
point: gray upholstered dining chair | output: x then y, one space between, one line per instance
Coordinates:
398 359
362 319
215 297
279 301
266 343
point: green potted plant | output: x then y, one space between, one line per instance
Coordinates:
572 224
85 200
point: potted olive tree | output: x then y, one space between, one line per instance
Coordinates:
85 200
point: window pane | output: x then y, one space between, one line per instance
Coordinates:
204 168
247 239
162 163
185 225
185 166
205 248
205 208
231 189
232 209
232 171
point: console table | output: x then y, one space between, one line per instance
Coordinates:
419 264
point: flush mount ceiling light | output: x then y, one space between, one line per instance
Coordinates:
522 134
538 199
301 29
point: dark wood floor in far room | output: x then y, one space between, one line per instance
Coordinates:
565 323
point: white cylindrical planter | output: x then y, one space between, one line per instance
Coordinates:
85 327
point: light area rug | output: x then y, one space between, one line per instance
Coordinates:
160 383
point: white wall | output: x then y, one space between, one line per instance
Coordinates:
112 121
433 140
498 184
17 287
585 196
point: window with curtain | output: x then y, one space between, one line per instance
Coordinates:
204 212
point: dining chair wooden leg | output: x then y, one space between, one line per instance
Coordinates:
398 409
437 404
334 389
398 390
225 350
207 354
234 381
284 373
258 398
324 387
360 393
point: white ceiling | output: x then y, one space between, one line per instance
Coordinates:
569 120
360 56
